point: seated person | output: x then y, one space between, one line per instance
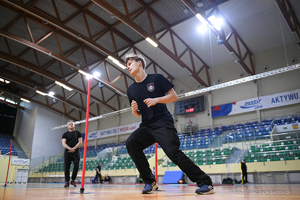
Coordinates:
106 178
190 127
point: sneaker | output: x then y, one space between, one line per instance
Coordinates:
149 188
66 184
73 183
205 189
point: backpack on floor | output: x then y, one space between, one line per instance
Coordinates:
227 181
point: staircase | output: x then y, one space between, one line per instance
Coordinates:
218 140
235 157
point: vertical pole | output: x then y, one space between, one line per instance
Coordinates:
242 174
85 138
8 162
156 161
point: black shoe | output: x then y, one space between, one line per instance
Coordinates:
149 188
66 184
73 183
205 189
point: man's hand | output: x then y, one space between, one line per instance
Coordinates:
134 106
72 150
150 102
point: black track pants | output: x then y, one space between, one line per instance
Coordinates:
69 157
164 133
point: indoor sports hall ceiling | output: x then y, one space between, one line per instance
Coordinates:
44 43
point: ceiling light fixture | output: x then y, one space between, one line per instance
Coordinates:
51 94
217 22
202 28
63 85
202 20
41 93
10 101
27 101
4 81
87 76
151 42
96 74
116 62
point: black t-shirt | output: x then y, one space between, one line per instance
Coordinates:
72 138
99 168
244 167
154 85
106 178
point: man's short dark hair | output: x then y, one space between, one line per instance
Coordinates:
136 58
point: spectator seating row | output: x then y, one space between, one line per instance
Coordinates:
59 166
5 145
206 157
245 135
202 140
274 151
196 144
241 132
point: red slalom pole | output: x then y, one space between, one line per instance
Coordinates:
156 161
85 138
8 162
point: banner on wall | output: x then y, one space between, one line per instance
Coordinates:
190 119
258 103
119 130
18 161
288 127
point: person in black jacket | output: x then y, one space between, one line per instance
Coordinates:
98 172
244 171
71 141
148 96
107 178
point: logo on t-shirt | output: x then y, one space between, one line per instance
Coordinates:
150 87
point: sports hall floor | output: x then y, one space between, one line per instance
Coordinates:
132 192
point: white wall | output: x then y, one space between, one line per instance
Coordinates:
26 124
46 142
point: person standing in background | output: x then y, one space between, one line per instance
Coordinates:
71 141
244 171
98 172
